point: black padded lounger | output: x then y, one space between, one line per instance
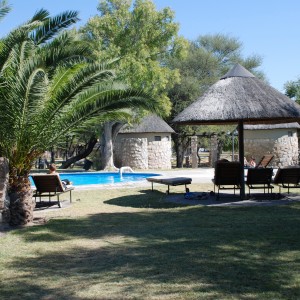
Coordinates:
170 181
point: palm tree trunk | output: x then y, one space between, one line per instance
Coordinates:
21 202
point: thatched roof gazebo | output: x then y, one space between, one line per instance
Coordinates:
240 98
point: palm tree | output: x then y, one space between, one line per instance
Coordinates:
49 87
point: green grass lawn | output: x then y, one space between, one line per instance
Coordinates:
131 244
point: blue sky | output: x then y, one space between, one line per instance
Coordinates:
269 28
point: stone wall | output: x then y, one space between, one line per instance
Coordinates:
4 200
138 153
285 149
159 155
133 153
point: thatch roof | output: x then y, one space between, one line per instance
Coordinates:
149 124
239 95
294 125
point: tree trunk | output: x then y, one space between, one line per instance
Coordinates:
180 145
179 155
21 202
107 147
82 154
111 129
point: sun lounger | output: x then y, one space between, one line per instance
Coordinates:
287 177
260 179
227 176
265 160
50 185
174 181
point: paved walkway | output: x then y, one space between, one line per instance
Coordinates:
200 175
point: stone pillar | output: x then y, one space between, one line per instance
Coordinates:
213 156
4 199
194 148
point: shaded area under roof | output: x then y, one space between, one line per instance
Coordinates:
294 125
149 124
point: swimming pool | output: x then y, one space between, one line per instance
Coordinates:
87 178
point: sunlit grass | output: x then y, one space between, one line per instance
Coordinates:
131 244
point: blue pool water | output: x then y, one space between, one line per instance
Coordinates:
103 178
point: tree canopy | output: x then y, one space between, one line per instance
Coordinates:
143 38
292 90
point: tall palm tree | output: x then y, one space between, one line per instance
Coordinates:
48 87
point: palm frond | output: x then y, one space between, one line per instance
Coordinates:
40 15
4 9
68 83
97 102
52 26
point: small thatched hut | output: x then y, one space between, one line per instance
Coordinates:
281 140
146 145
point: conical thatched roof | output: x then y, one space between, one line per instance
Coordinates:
149 124
239 95
272 126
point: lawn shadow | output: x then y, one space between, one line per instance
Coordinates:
146 199
225 250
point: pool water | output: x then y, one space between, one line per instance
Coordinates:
103 178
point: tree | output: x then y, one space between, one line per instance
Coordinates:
48 87
292 90
209 57
143 38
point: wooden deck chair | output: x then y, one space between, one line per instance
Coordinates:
260 179
227 176
50 185
265 161
288 177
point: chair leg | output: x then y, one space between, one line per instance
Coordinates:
58 203
187 190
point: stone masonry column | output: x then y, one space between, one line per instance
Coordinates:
213 156
194 148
